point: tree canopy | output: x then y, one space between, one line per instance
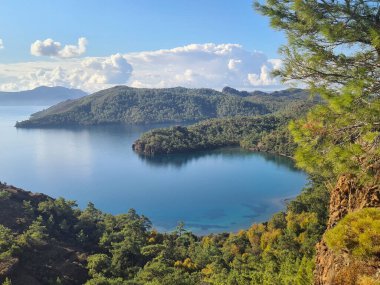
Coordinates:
334 47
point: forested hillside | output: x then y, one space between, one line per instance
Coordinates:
47 241
210 134
268 133
126 105
328 235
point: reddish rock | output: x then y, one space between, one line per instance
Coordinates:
342 269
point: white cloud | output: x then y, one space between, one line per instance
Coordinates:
202 65
264 78
112 70
8 87
1 44
51 48
90 74
196 65
233 64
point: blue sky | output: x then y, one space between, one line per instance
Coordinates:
128 26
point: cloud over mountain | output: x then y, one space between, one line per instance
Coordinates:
1 44
51 48
202 65
196 65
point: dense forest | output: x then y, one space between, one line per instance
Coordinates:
268 133
329 234
54 242
249 132
126 105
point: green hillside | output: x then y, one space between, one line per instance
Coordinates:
126 105
267 133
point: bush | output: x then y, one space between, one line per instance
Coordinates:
4 195
358 233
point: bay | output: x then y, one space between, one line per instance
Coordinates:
214 191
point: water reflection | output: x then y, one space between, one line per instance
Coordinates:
183 159
280 160
179 160
214 191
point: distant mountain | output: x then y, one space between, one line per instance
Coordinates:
232 91
273 94
122 104
43 96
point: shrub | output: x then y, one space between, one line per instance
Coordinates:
358 233
4 195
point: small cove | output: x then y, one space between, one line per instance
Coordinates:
213 191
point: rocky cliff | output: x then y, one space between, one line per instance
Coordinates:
343 269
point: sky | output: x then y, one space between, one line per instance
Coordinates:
97 44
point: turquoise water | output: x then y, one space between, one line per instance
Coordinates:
213 191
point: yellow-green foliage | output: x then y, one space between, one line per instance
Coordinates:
7 281
366 280
269 238
4 195
358 233
187 264
254 234
300 222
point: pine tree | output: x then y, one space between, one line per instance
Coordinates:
334 47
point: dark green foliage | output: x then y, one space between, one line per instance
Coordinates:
334 47
278 141
142 106
7 242
205 135
59 216
291 99
35 234
127 105
265 133
124 249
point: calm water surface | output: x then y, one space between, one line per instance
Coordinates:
213 191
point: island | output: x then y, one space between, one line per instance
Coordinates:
127 105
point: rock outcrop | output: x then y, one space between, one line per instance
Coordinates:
343 269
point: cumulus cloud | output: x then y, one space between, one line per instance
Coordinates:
263 78
49 47
90 74
112 70
203 65
1 44
196 65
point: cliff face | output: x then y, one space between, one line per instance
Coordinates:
342 269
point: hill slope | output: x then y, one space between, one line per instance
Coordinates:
268 133
52 241
128 105
40 96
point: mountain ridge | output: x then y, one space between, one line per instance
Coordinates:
128 105
42 95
